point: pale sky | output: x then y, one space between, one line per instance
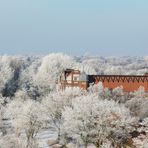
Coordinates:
77 27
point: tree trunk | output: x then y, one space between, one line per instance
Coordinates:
59 134
85 145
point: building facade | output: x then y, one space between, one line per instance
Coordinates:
130 83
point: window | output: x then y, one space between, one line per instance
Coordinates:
75 78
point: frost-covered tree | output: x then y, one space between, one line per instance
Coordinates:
117 94
3 125
52 108
134 105
140 92
137 103
115 70
26 118
138 107
96 89
27 75
93 121
144 109
1 114
12 141
53 105
14 65
6 72
49 71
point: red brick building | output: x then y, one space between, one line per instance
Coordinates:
130 83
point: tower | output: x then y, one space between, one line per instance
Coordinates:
83 81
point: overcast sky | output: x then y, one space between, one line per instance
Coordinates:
77 27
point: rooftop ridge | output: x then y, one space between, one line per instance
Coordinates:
121 75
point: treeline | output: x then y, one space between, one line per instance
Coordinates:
31 102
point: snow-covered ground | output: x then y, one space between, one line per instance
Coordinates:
44 136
